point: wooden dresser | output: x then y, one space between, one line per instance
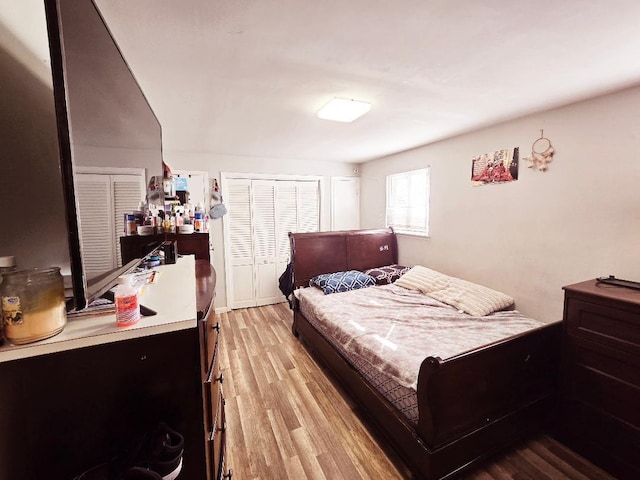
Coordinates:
90 393
600 390
212 378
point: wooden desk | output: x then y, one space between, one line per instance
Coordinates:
137 246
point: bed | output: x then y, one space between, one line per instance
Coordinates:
461 407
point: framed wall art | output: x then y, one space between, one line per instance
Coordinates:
499 166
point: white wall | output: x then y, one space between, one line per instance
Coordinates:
215 164
579 220
31 193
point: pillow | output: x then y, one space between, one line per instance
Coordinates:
342 281
387 274
469 297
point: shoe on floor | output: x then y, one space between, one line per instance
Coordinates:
159 453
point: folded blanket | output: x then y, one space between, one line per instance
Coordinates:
469 297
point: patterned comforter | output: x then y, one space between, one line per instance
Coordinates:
394 329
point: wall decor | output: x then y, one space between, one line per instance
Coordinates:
495 167
541 153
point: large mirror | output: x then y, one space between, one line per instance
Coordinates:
109 137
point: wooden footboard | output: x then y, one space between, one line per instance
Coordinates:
469 391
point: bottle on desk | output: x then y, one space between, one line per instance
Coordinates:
127 306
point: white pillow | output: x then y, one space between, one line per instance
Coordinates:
469 297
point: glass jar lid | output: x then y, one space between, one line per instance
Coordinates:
31 273
8 261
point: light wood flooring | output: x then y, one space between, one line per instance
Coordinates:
287 419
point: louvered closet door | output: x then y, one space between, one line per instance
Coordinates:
128 191
240 245
308 207
261 215
264 241
297 210
287 221
102 202
96 223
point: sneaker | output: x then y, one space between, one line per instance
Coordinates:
159 453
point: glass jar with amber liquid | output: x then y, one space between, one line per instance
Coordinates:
33 304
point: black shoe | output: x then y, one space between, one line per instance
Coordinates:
159 452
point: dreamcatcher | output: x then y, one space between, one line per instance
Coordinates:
541 153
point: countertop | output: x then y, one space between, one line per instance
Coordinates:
172 296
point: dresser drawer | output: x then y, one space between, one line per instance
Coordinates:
605 324
217 439
604 360
605 441
212 389
223 471
608 384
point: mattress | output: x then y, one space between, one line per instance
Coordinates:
385 332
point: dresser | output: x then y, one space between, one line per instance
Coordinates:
600 377
86 395
212 379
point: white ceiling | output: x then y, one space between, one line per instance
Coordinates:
246 77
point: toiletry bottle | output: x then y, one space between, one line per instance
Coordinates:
127 306
198 223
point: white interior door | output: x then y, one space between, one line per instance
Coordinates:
345 203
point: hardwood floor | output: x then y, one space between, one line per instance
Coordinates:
286 418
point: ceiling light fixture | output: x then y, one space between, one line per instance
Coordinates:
343 110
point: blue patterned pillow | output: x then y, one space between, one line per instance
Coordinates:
342 281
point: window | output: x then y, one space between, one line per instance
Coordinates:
408 202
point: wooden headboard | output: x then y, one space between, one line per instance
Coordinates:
327 252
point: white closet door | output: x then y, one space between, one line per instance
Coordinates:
261 215
128 191
96 225
286 221
102 202
239 247
308 206
345 203
264 241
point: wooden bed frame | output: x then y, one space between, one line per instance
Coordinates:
470 406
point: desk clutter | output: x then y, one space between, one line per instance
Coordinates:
173 218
